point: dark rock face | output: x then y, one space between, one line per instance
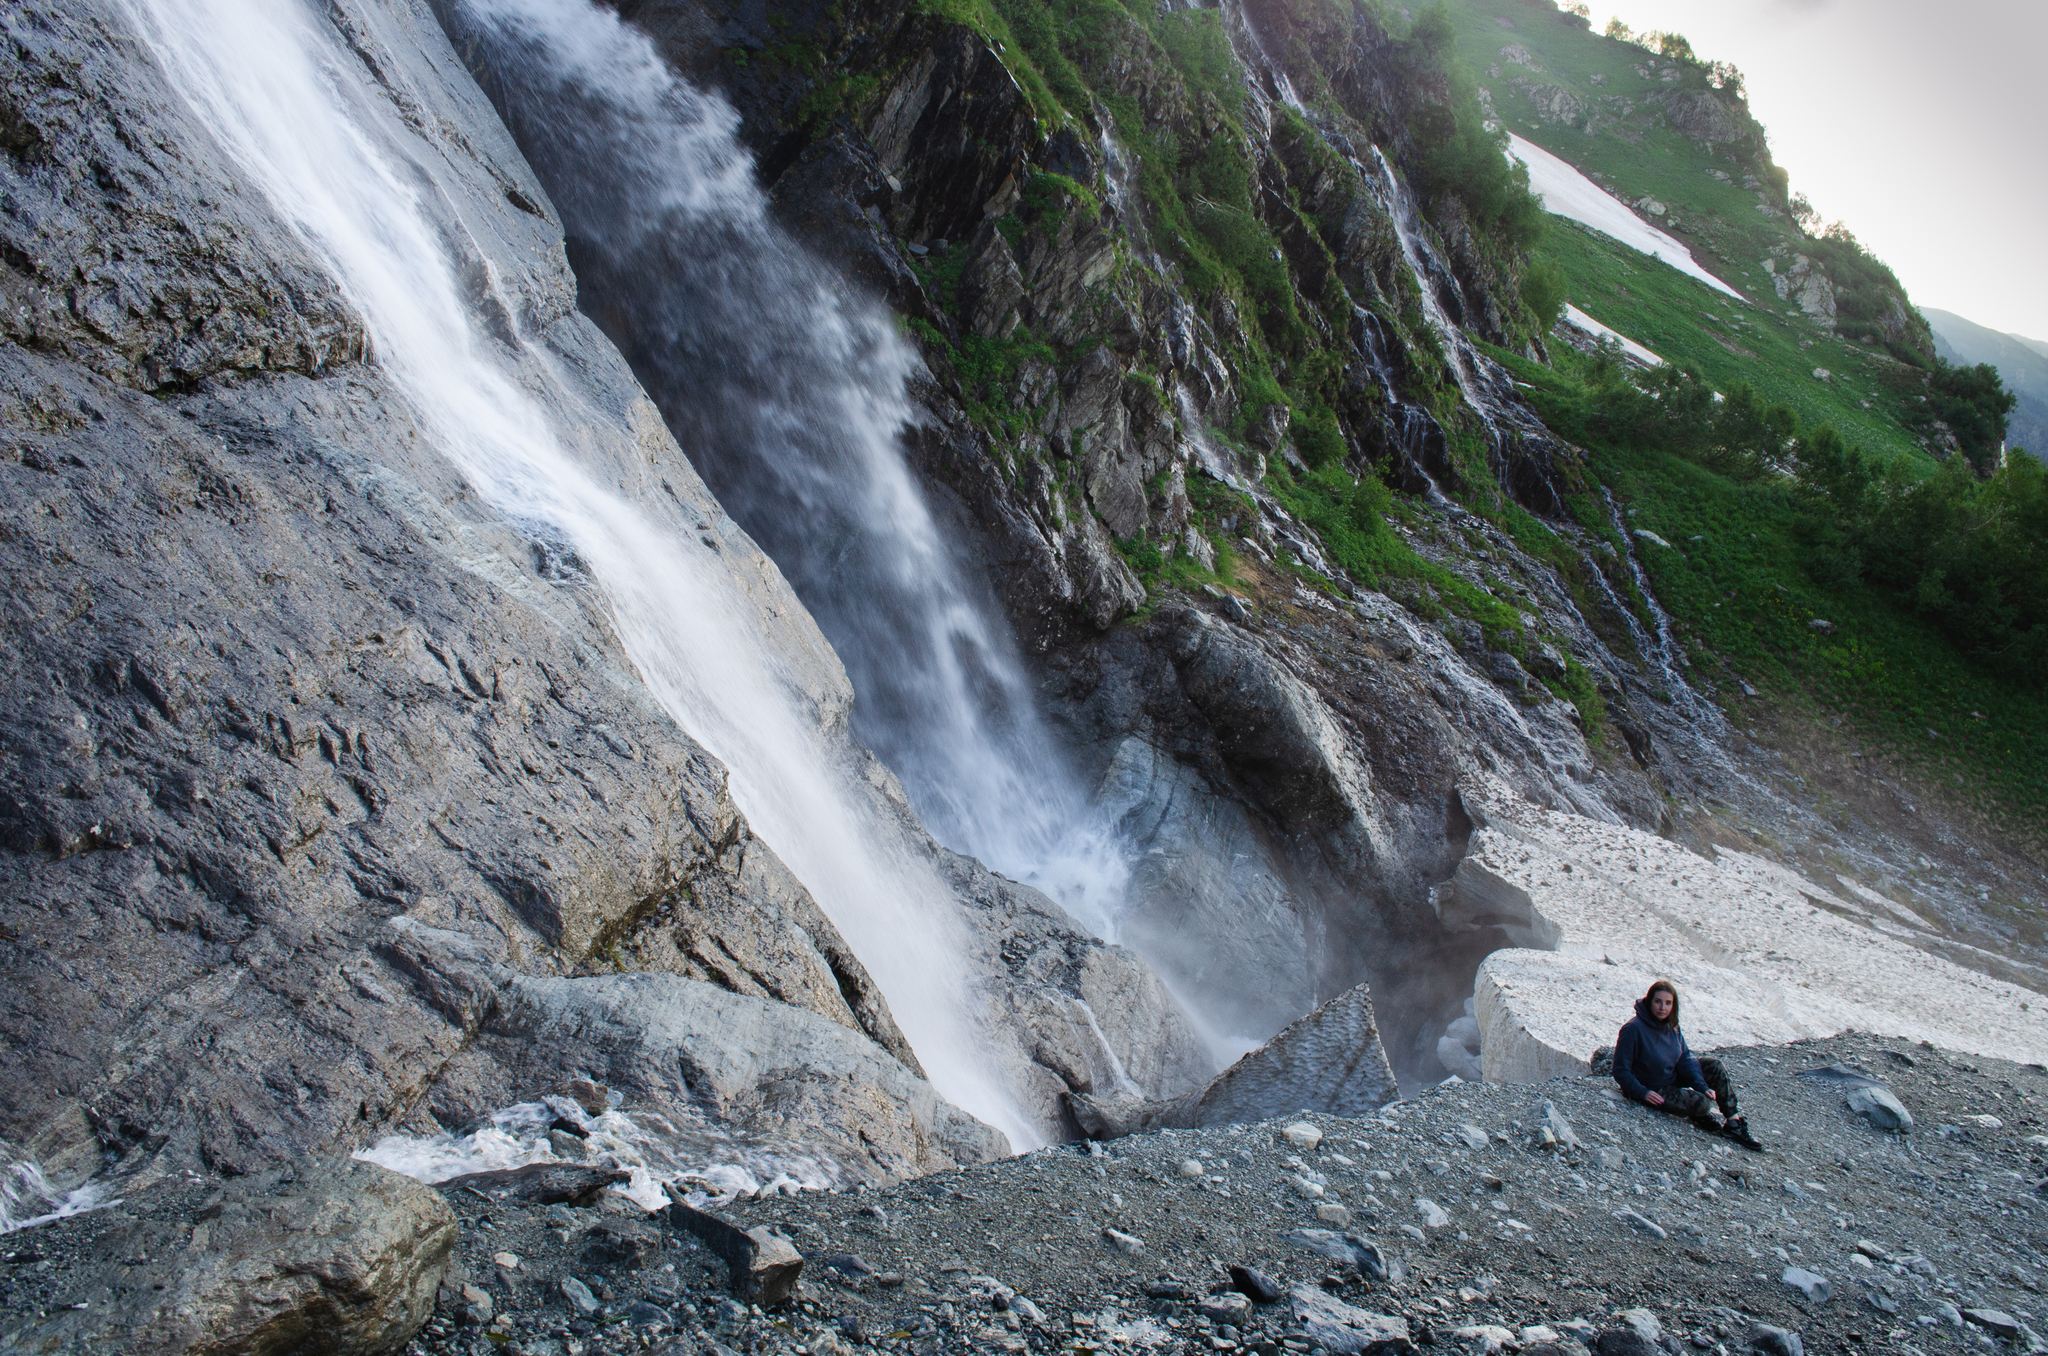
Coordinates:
336 1256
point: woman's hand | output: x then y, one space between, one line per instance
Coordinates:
1713 1096
1654 1098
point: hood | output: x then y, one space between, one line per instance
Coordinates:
1643 1011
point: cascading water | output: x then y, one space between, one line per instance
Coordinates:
790 395
332 141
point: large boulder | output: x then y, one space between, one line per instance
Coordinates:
1331 1061
334 1258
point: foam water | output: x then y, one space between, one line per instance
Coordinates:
27 1197
657 1154
326 140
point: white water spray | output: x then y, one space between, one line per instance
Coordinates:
790 396
340 162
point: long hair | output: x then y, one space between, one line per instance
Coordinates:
1665 986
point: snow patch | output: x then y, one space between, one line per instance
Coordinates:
1579 320
1568 193
1760 954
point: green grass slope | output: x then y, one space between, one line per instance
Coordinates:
1761 549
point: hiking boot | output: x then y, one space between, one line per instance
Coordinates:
1737 1129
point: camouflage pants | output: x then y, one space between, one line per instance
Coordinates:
1695 1105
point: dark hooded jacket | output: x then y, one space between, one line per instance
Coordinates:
1650 1056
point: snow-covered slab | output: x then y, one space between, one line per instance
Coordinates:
1759 953
1578 319
1568 193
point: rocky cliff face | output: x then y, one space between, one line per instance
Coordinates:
1104 396
314 758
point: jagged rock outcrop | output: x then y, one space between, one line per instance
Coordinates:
1331 1061
285 687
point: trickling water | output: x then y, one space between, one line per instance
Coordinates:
1656 642
1423 263
790 396
342 164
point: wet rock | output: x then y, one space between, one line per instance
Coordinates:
1623 1342
1331 1060
542 1183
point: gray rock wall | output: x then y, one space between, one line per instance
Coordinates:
279 687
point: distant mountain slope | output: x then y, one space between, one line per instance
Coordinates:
1669 135
2021 361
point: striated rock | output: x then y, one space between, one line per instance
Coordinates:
340 1257
1331 1060
720 1066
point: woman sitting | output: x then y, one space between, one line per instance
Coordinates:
1654 1066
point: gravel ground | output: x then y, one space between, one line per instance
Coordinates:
1122 1245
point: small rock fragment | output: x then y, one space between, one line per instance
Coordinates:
1994 1321
1192 1168
1644 1323
1483 1339
1554 1121
1433 1215
1880 1107
1766 1340
1302 1135
1641 1223
1262 1289
592 1097
1330 1212
1228 1306
579 1296
1811 1284
1130 1245
1475 1138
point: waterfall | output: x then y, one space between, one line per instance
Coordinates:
344 153
790 395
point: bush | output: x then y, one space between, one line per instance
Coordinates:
1545 289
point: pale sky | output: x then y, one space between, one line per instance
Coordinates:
1921 126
